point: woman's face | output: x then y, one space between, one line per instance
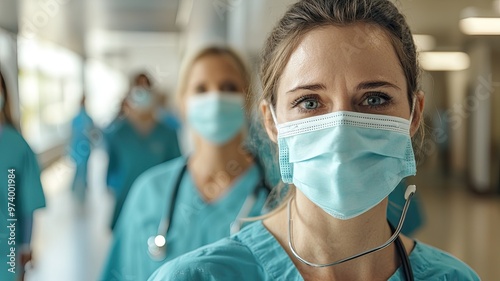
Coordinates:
349 68
214 73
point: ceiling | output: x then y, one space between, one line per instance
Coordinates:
67 22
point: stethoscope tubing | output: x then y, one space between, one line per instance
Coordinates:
158 253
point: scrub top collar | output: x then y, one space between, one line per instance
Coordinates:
269 253
277 263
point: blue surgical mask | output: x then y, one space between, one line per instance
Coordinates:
140 99
345 162
216 116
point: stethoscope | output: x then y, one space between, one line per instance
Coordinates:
157 244
405 261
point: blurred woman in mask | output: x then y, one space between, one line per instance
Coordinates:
20 194
188 202
136 142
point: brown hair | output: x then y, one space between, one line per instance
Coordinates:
306 15
138 77
214 51
5 111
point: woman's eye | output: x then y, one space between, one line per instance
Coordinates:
229 87
375 100
306 103
200 89
310 104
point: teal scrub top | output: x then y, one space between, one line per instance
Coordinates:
16 154
195 223
254 254
131 153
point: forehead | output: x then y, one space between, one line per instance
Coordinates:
215 66
354 52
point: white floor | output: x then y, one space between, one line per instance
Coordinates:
71 241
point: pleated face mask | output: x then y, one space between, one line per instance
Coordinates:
217 116
345 162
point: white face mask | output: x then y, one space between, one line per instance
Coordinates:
345 162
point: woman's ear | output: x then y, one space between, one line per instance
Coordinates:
268 121
418 112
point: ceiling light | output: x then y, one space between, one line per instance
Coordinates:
480 26
475 21
444 61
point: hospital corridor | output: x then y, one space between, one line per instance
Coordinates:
248 140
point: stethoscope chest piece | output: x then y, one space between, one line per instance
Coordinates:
157 247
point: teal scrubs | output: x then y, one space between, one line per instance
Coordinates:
254 254
16 154
194 223
131 153
79 150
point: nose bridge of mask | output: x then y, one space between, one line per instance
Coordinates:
341 118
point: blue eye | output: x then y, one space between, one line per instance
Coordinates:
376 100
307 103
310 104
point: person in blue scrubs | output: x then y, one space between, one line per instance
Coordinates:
20 194
341 100
136 143
221 182
80 146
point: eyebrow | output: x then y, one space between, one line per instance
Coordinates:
362 86
311 87
375 84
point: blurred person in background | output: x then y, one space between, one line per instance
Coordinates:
189 202
79 148
342 102
21 193
136 142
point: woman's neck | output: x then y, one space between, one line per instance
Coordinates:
321 238
215 167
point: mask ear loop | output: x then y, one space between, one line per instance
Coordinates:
273 113
413 102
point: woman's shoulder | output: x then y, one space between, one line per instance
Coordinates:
13 143
226 259
429 263
9 134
